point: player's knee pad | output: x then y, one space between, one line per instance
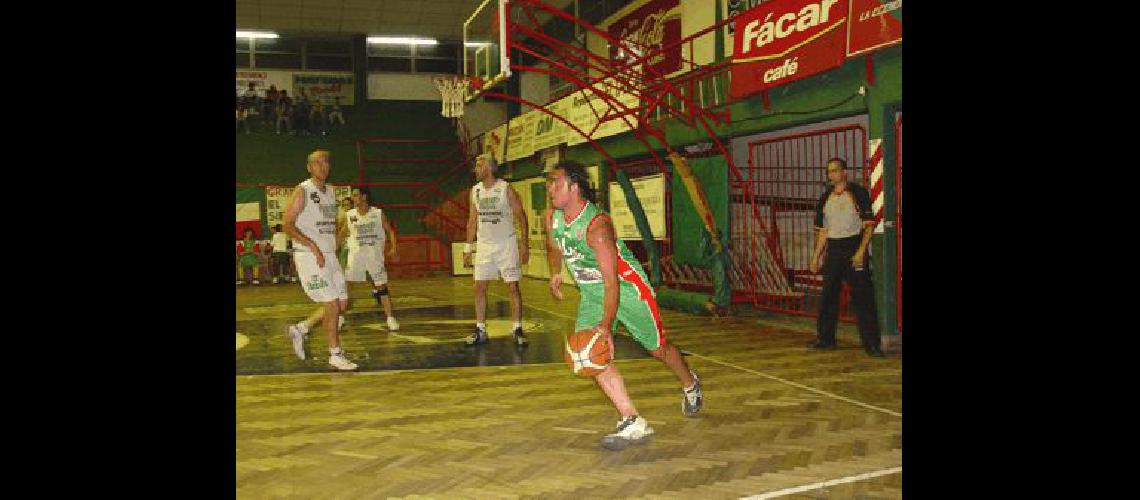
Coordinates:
382 291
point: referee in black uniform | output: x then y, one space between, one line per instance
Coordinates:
844 223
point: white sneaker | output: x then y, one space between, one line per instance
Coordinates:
298 341
276 281
293 279
694 399
393 325
630 430
255 282
339 323
340 362
240 282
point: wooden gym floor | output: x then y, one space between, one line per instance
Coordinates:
427 417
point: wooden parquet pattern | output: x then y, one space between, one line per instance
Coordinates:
532 431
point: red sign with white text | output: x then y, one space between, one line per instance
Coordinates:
651 27
873 24
785 40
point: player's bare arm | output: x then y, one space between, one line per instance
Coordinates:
820 246
395 252
601 237
295 206
520 218
472 226
553 255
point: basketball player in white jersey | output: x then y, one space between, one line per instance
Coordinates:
311 221
368 231
495 207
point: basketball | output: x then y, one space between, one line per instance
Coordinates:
587 352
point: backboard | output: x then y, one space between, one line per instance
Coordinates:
486 47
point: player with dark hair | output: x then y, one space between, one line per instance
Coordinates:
613 287
368 231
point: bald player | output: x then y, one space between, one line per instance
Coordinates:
311 221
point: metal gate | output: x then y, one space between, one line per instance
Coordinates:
773 213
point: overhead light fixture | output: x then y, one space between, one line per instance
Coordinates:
401 40
255 34
476 44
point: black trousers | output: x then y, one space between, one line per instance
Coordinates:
837 268
280 264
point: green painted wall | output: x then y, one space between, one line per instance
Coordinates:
264 157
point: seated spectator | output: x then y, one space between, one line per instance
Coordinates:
301 114
269 106
284 112
317 118
247 250
246 107
334 113
279 262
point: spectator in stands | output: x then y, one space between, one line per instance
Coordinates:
317 118
279 261
301 114
269 106
247 250
284 112
247 106
844 222
334 113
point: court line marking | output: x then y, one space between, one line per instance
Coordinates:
824 484
354 455
754 372
579 431
801 386
384 372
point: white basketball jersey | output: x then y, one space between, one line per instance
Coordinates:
318 219
365 230
496 219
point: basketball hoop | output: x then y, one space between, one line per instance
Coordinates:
454 91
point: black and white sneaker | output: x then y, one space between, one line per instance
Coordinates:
630 430
479 337
691 404
520 337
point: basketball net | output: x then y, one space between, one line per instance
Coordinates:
454 92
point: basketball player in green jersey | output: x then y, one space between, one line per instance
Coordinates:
613 287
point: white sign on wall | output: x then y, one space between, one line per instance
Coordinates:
651 192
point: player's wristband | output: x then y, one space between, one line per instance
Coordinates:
466 248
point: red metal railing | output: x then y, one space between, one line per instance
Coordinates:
419 251
898 217
774 211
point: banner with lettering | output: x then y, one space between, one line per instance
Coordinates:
262 79
873 24
326 87
276 201
731 8
651 193
550 131
585 108
520 136
786 40
654 25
